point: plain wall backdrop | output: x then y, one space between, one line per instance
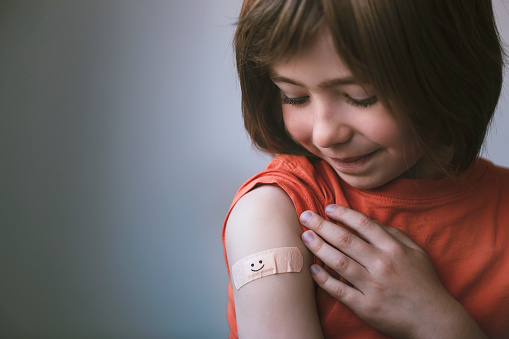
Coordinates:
121 147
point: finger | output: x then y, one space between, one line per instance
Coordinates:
348 295
350 269
339 237
401 237
366 227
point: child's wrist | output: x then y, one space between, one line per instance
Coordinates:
448 322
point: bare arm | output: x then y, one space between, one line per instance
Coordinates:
280 305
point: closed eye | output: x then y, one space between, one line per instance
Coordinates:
300 101
361 103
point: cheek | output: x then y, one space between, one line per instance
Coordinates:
398 140
297 125
386 135
383 129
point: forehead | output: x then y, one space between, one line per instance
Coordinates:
317 64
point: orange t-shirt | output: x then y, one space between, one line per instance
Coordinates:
462 224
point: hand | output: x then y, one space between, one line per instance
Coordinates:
395 287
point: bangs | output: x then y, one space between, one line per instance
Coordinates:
364 33
270 30
370 38
436 62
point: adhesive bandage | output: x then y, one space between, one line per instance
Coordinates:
264 263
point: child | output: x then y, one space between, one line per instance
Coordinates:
376 110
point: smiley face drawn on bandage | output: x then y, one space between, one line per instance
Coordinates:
259 262
265 263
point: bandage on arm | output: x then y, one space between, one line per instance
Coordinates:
264 263
262 221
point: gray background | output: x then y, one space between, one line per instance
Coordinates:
121 146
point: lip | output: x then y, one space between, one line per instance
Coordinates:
353 163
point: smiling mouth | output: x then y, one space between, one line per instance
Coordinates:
353 159
354 162
258 269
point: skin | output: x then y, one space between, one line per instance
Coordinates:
396 286
280 305
342 122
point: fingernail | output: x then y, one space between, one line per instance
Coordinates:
314 269
307 237
304 217
330 208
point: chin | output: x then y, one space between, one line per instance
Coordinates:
365 183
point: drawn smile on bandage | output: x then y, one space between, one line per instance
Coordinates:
260 262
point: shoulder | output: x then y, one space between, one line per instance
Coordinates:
266 207
261 219
499 174
495 188
502 171
307 181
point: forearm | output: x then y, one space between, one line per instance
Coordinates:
453 322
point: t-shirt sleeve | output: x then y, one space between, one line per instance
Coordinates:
298 177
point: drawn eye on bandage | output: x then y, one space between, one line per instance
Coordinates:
264 263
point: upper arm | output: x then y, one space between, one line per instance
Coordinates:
280 305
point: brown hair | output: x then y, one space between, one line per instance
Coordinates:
440 62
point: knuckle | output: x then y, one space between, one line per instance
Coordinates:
395 250
320 225
338 291
340 211
320 278
340 264
342 214
364 222
378 288
396 231
383 265
317 245
344 239
373 309
398 251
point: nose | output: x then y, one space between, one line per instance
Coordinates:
330 127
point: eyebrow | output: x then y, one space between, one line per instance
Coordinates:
350 80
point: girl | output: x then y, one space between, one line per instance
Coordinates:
376 110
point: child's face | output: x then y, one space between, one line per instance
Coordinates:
342 122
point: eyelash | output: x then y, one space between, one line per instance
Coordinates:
293 101
362 103
354 102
